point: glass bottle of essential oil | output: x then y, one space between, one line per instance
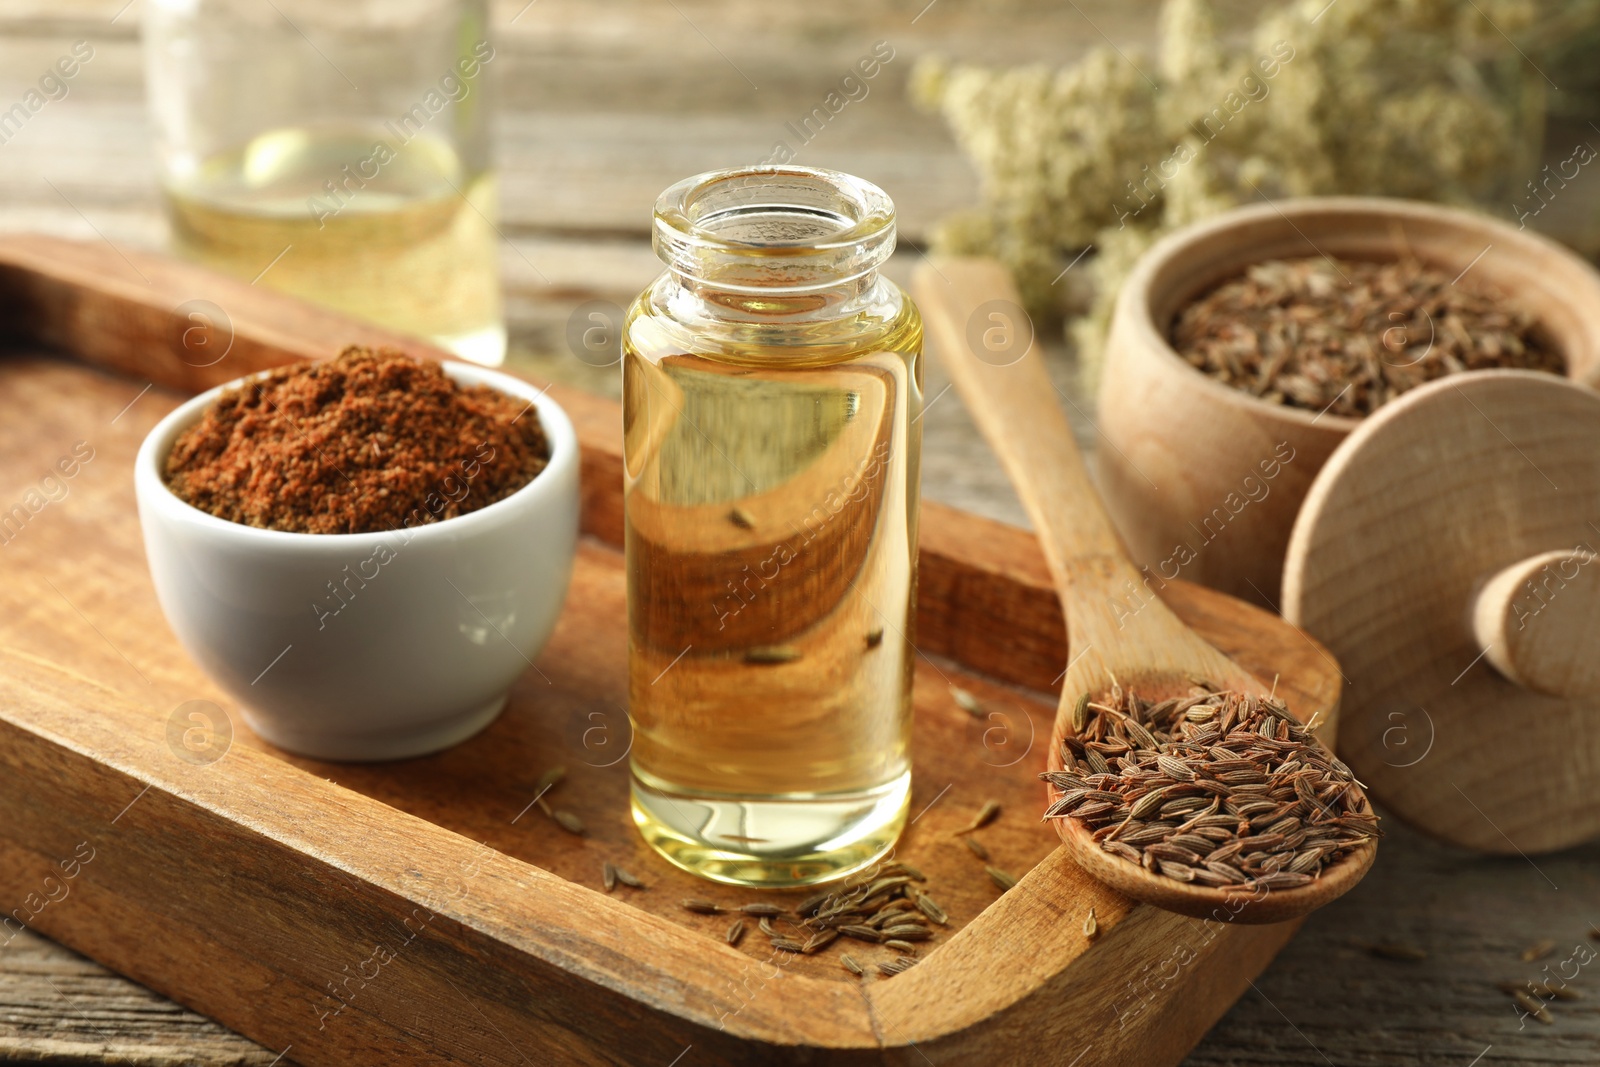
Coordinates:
338 152
772 388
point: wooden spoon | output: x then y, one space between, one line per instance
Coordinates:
1120 631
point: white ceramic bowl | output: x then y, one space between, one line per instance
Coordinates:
367 646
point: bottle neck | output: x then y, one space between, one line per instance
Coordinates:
773 244
715 300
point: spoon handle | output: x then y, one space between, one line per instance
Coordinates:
985 340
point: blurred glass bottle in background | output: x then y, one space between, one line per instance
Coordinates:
336 150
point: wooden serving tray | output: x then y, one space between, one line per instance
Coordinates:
422 911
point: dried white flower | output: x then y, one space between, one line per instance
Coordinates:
1416 98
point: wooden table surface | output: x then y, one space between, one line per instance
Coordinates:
601 106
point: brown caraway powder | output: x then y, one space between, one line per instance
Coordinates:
365 442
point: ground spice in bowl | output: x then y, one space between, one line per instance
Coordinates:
365 442
1347 336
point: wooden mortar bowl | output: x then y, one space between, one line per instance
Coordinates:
1206 479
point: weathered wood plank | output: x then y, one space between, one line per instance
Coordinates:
534 943
1327 999
602 107
1323 1001
57 1007
519 940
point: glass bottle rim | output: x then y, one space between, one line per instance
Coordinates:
822 228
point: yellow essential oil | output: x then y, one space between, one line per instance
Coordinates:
772 391
397 233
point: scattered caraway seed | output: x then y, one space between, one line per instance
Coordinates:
629 880
928 907
761 908
741 518
1538 950
1533 1006
880 885
887 915
1546 991
819 941
894 967
1091 926
550 779
1541 990
772 654
1394 950
976 848
608 876
568 822
1224 790
848 962
735 932
986 815
905 948
701 907
966 701
875 637
1000 878
875 906
810 905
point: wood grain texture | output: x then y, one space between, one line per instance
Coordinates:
1324 999
984 598
1431 498
1225 522
1329 998
351 868
61 1008
308 911
1118 642
1536 640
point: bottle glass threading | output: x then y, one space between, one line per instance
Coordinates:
772 389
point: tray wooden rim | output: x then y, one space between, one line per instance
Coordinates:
74 298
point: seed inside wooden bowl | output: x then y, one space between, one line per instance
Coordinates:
1347 337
